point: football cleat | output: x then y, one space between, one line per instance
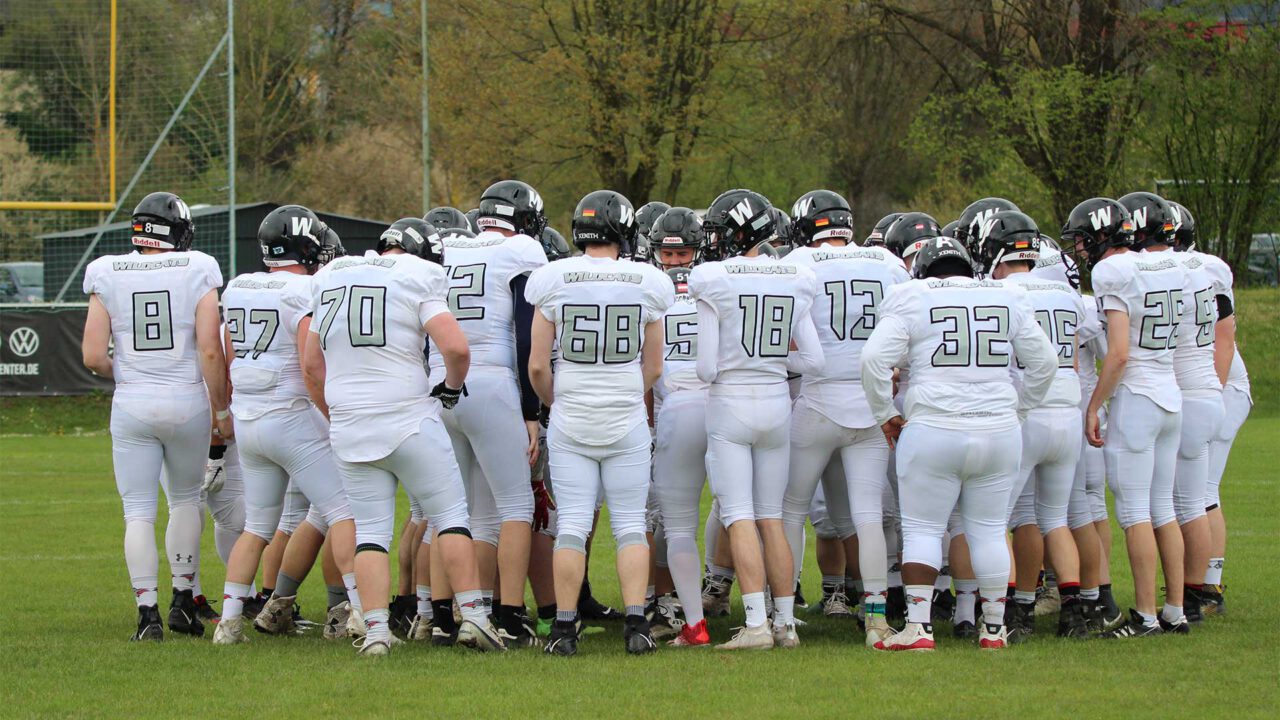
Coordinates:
943 606
1020 622
403 609
913 637
715 596
1072 620
1109 612
1212 602
355 624
1133 628
1178 627
300 623
785 636
372 648
994 637
664 623
482 636
230 632
836 605
443 638
335 623
149 627
1048 602
878 630
254 605
420 629
750 638
591 609
799 595
964 630
563 640
693 635
205 611
638 638
519 633
276 617
183 616
1192 602
895 608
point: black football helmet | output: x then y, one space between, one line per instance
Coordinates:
163 221
970 221
819 215
554 244
950 228
292 235
472 214
1095 226
738 221
447 233
940 256
605 216
511 205
416 237
445 217
646 216
330 246
1153 219
882 226
678 227
907 234
1005 237
781 231
1184 230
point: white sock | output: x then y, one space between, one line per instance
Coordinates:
784 611
378 627
1147 620
233 597
353 596
1171 613
753 603
966 601
1089 593
182 543
993 602
142 559
1026 597
471 605
424 601
196 589
943 583
487 597
1213 576
919 602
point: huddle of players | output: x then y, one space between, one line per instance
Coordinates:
333 403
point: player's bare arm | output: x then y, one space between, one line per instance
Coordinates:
97 338
651 358
313 369
540 358
1113 365
452 343
213 360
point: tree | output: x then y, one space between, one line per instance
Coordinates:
1217 136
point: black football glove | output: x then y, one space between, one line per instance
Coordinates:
447 396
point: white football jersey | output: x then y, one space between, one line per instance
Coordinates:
852 281
759 301
1060 311
959 337
369 314
1092 336
600 307
1207 278
480 272
1149 287
680 354
262 312
152 303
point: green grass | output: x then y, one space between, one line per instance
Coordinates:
65 612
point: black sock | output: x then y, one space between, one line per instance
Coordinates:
267 592
442 611
585 592
547 612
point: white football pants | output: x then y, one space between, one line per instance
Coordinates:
748 449
1140 450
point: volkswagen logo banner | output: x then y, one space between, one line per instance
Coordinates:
40 352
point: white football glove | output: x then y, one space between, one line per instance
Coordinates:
215 474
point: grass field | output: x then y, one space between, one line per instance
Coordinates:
65 614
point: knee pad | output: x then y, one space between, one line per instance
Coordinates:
486 530
730 514
453 518
569 541
632 538
922 549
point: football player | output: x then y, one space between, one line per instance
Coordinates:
646 215
371 318
876 236
680 412
961 440
447 218
282 435
751 310
1141 298
159 305
607 313
495 432
1009 243
831 417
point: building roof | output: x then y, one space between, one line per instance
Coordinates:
196 212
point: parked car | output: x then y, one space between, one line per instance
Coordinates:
21 282
1264 259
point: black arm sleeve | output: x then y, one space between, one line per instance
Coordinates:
522 315
1224 307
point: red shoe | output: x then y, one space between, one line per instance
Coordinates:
914 637
993 637
693 635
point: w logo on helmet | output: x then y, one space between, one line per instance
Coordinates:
1140 217
742 212
986 225
979 226
1101 217
300 226
628 216
802 207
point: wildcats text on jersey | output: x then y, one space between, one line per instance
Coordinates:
150 264
760 269
588 276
